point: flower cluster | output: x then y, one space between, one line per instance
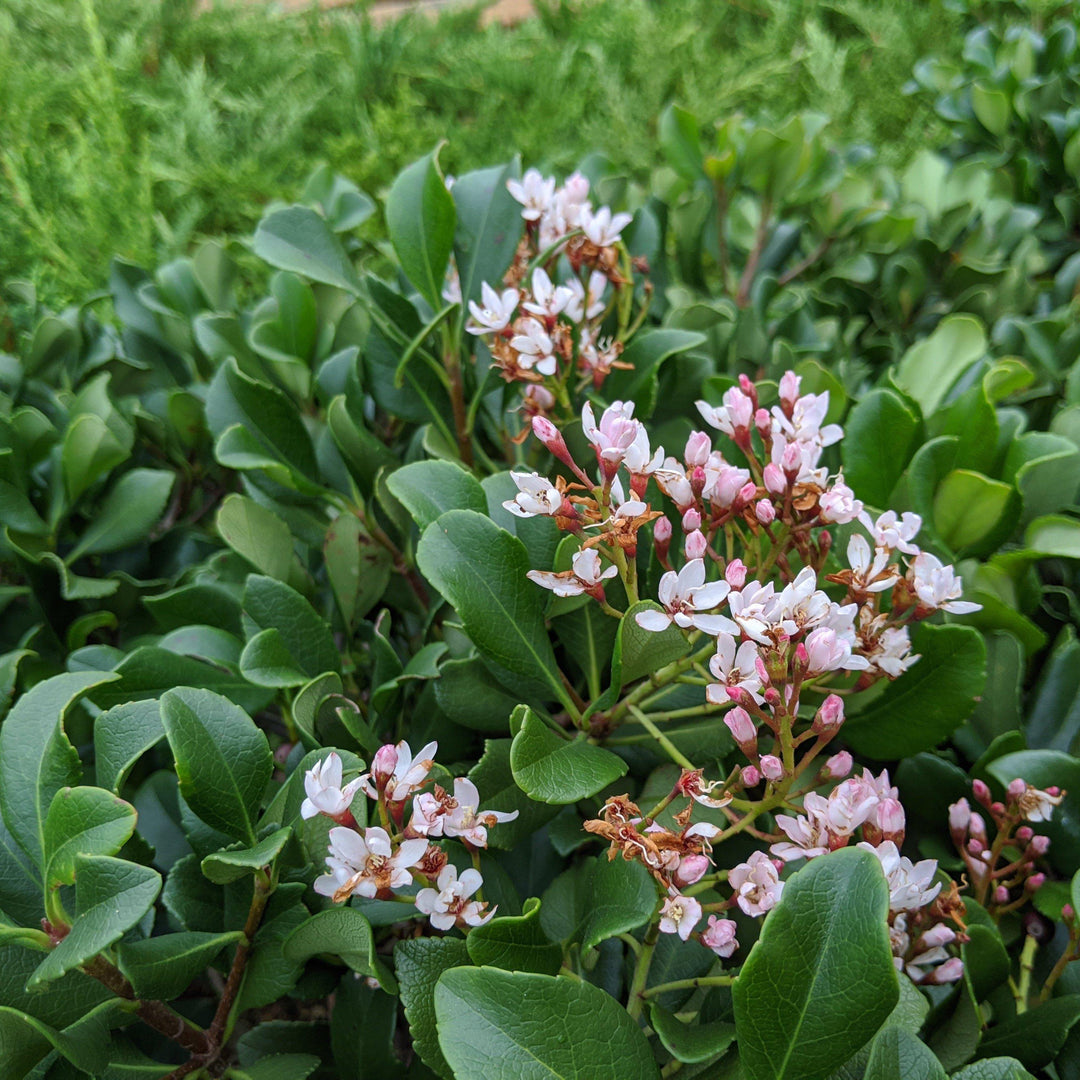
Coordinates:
374 861
541 330
1003 870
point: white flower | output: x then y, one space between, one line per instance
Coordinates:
325 795
736 413
497 311
615 434
451 290
807 416
449 904
810 835
801 605
720 936
585 574
601 228
534 346
408 773
534 192
640 460
937 586
753 607
1037 805
440 814
839 504
365 864
850 804
870 570
586 303
756 884
672 481
734 668
684 595
829 651
892 533
537 496
723 482
547 299
910 884
679 915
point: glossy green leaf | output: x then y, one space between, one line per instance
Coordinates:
1034 1037
489 226
929 368
997 1068
494 779
418 963
896 1054
163 967
273 605
222 759
83 821
553 769
358 568
341 932
515 943
881 434
971 509
428 489
299 239
127 514
623 897
500 1025
927 702
111 896
795 1011
233 864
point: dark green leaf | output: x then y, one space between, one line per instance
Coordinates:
418 963
515 943
164 967
298 239
690 1042
896 1054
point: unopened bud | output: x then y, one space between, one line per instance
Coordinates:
890 820
697 481
789 390
977 827
735 574
761 669
830 716
1001 895
383 764
746 494
763 421
692 868
750 776
772 767
696 545
1068 913
1024 833
662 538
698 448
981 792
838 766
765 512
976 847
959 817
1035 882
937 937
1053 790
772 697
791 460
950 971
774 479
552 438
1040 844
1016 788
748 388
742 728
691 520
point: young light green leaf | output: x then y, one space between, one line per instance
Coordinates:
83 821
222 759
257 534
795 1011
232 864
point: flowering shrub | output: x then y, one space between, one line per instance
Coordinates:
387 700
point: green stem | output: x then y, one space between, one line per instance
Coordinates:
1027 965
672 750
689 984
660 678
641 972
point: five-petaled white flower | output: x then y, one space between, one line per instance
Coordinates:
891 532
537 496
684 596
937 586
325 795
910 884
586 573
1037 805
736 668
586 302
497 311
442 814
679 915
535 193
449 904
870 570
547 299
602 228
365 864
534 346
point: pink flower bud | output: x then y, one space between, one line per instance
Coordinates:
742 728
791 460
937 937
982 792
1035 882
750 776
775 480
997 809
698 448
830 716
735 574
1001 895
976 847
698 480
1040 844
1053 790
890 820
1016 788
959 816
1067 913
746 493
383 764
692 868
761 669
691 520
720 936
696 545
552 438
789 389
765 512
772 767
977 827
763 421
838 766
772 697
662 538
1024 833
748 388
